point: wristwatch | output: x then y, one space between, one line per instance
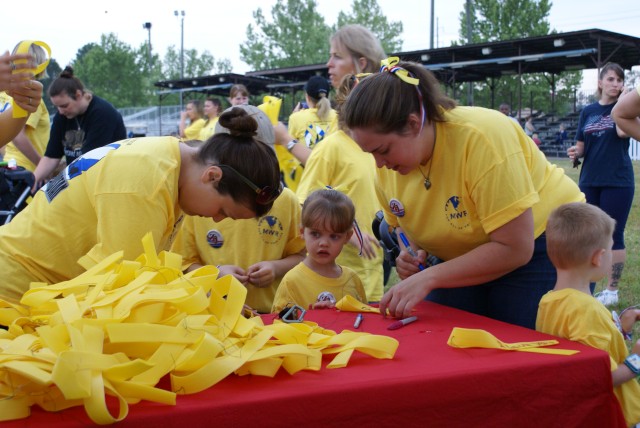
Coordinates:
291 143
633 362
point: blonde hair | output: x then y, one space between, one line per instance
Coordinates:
360 43
39 56
328 209
575 231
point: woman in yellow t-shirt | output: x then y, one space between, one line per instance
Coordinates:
465 184
193 112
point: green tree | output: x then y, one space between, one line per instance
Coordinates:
297 35
368 14
494 20
53 70
195 64
112 70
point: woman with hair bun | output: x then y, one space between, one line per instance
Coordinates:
465 184
109 198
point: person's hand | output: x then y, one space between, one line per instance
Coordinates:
369 245
261 274
573 153
325 304
282 134
400 300
297 108
27 95
183 115
628 318
236 271
407 265
9 79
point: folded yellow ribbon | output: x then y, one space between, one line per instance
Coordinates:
23 48
350 304
475 338
121 326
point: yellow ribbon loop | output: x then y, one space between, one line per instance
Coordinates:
350 304
390 65
123 325
271 107
23 48
475 338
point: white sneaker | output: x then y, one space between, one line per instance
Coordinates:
607 297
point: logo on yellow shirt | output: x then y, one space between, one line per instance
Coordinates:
270 229
456 213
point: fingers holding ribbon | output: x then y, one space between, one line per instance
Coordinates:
27 95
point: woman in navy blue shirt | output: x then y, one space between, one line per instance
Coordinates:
606 177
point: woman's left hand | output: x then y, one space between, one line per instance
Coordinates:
261 274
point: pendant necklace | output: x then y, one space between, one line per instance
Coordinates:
427 182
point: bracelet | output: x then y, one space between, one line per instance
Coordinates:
291 143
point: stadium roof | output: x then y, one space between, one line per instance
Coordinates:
553 53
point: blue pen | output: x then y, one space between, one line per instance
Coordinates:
405 242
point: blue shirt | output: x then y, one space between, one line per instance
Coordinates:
606 156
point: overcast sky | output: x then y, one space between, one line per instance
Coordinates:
219 27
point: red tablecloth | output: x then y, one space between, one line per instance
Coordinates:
428 383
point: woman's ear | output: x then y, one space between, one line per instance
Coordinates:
414 123
212 174
362 64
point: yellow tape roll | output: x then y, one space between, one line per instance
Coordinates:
23 48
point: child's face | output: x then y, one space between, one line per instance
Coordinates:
324 246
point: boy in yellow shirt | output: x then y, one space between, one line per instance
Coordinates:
579 242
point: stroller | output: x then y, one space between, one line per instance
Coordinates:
15 188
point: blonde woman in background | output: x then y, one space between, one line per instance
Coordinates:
29 145
308 125
193 111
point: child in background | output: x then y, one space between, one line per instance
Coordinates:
579 242
318 282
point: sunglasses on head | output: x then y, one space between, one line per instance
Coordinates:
264 195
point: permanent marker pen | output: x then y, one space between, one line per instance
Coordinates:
405 242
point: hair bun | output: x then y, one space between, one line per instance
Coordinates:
239 123
67 72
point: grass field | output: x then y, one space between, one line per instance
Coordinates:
630 283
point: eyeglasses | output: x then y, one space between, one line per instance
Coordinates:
264 195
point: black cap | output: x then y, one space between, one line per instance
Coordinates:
317 85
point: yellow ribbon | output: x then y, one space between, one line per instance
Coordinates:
121 326
475 338
390 65
271 107
23 48
350 304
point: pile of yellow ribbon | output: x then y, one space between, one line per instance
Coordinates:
121 326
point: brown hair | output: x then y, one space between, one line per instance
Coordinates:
575 231
383 102
241 151
66 83
238 89
328 209
197 106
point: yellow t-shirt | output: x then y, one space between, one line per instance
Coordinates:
104 202
339 162
484 173
208 129
192 132
303 286
306 127
37 129
244 242
577 316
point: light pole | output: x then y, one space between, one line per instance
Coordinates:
181 15
147 26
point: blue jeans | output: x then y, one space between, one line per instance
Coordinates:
512 298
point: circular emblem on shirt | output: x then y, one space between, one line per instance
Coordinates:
396 207
270 229
214 238
456 213
326 296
